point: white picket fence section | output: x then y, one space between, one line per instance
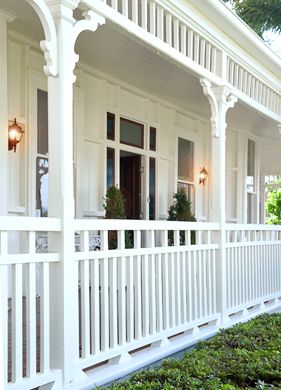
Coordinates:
253 266
145 294
140 285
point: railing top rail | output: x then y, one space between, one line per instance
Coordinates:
252 227
29 224
129 224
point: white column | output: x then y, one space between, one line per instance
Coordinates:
64 329
4 19
220 100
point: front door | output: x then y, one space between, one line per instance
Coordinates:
130 183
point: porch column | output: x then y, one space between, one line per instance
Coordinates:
4 19
64 331
220 99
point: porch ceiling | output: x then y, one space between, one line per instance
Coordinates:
115 53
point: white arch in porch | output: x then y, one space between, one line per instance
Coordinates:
49 45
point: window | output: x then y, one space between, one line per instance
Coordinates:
152 139
152 188
110 167
110 126
42 122
251 166
42 164
131 133
251 183
186 168
185 160
42 185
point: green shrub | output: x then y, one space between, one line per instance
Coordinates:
181 210
246 356
114 206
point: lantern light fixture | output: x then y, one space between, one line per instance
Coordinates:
203 175
15 133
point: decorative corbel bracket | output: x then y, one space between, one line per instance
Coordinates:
90 22
49 45
220 99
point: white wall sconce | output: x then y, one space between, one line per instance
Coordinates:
15 133
203 175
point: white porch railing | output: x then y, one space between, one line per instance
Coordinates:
159 286
184 39
253 264
25 316
145 294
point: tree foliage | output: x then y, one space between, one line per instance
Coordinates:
273 204
260 15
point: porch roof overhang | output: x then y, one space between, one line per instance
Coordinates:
128 59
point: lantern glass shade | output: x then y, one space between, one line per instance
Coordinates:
15 133
203 175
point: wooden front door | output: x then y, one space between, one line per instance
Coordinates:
130 185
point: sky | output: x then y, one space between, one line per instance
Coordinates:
274 41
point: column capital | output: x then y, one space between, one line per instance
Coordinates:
220 99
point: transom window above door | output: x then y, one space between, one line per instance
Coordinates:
131 133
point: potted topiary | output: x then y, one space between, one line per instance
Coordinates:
181 210
114 206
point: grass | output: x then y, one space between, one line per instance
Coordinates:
246 356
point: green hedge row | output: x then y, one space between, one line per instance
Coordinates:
245 356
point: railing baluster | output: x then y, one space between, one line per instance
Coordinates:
45 318
202 52
196 49
168 29
183 40
17 323
144 14
125 11
176 34
190 43
160 23
152 18
4 309
31 312
138 287
113 302
166 289
135 11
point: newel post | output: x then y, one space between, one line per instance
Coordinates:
220 99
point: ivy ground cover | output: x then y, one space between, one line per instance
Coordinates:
246 356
